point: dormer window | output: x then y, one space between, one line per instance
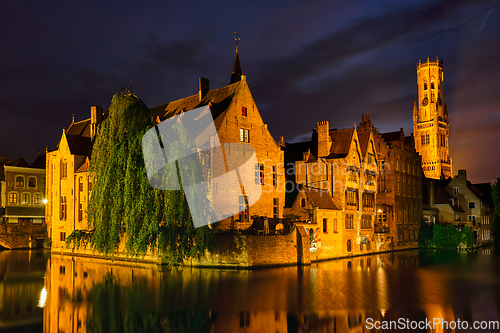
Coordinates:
244 111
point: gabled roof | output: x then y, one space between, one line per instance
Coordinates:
485 190
81 128
295 150
364 137
320 198
84 167
18 162
79 145
218 98
391 136
39 162
341 142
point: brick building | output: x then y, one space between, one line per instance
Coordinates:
236 118
430 121
22 192
399 197
456 201
342 166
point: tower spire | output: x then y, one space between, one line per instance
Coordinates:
237 72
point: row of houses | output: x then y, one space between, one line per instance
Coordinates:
353 190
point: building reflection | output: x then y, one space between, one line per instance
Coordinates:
21 285
92 295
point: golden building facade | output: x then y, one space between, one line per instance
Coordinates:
430 121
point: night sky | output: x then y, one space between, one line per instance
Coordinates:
305 61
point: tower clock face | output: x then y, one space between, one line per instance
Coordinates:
425 101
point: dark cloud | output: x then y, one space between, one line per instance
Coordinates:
305 62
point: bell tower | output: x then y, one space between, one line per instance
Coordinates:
430 121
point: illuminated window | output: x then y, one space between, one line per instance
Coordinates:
243 111
12 197
244 135
37 199
25 198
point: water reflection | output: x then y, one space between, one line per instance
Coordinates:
91 295
21 285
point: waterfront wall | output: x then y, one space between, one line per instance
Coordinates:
253 251
257 251
19 236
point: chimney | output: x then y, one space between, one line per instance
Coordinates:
95 119
204 88
462 174
365 122
324 140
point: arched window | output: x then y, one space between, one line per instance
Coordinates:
303 202
19 181
37 199
349 245
25 198
325 225
425 83
368 246
32 182
12 197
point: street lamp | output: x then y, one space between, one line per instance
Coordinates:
45 201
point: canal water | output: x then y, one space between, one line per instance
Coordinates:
43 292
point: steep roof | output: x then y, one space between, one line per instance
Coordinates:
295 150
363 137
391 136
218 98
79 145
485 191
81 128
18 162
39 162
320 198
341 142
237 72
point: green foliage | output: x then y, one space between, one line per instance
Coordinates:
115 308
425 235
446 237
123 206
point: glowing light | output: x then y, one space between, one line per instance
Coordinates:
45 201
43 298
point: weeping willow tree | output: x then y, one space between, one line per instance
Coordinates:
123 207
